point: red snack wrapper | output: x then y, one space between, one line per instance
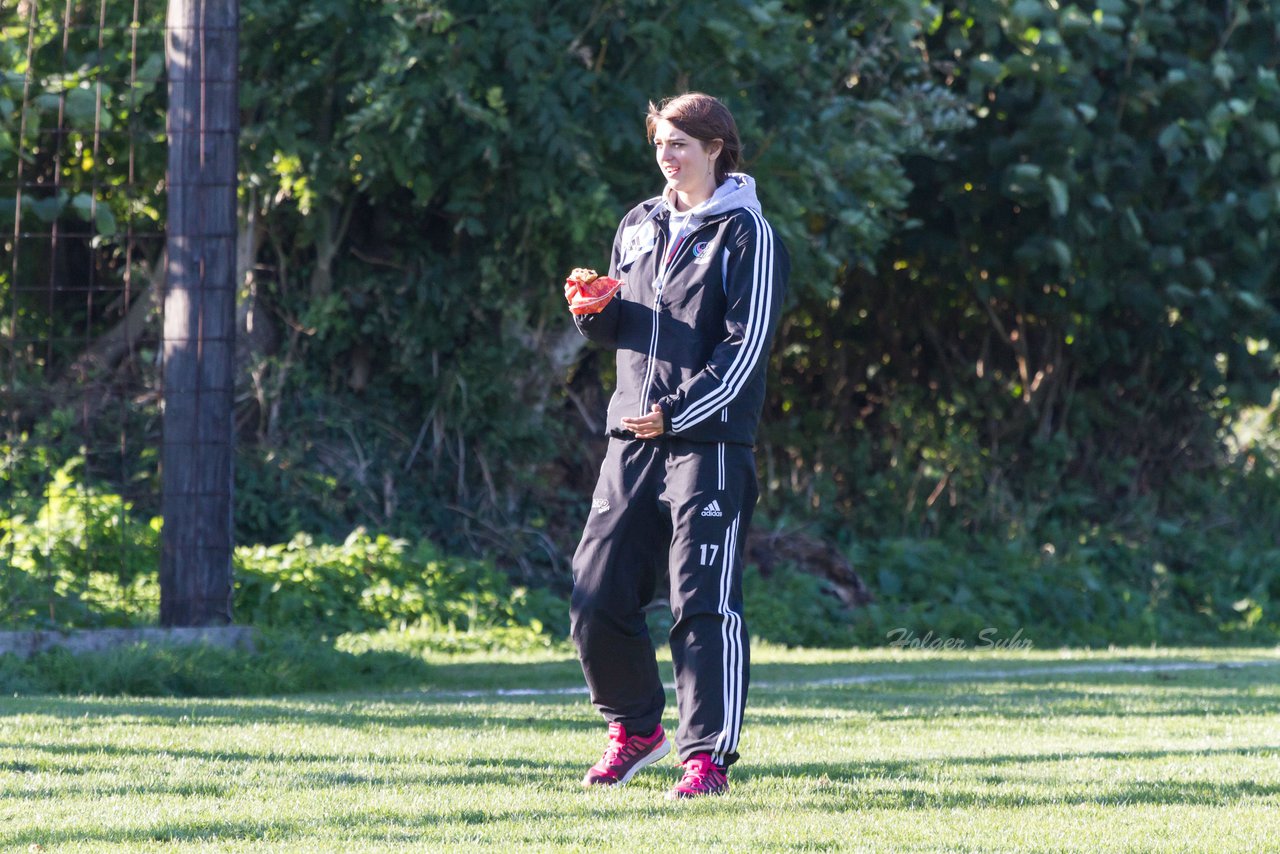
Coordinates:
587 292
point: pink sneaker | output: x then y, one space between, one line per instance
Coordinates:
701 777
625 755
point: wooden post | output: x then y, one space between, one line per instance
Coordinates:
199 313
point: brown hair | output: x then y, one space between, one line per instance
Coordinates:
705 119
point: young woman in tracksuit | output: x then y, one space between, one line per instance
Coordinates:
703 277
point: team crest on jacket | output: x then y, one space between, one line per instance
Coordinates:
702 252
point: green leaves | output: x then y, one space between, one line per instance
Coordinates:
1093 262
371 582
1033 245
1059 195
483 150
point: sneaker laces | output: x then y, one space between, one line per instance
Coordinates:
617 741
697 767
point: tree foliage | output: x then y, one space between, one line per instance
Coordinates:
1085 297
424 180
1034 289
82 155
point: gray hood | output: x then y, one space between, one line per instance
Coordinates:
737 191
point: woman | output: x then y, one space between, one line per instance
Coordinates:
704 279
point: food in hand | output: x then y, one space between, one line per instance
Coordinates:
589 292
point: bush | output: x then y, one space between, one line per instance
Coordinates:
376 582
77 556
793 608
1195 566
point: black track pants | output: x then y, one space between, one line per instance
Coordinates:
661 505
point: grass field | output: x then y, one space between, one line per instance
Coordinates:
1135 750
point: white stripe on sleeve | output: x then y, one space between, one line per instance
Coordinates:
754 335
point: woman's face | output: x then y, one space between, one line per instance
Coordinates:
688 164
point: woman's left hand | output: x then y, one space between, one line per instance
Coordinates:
650 426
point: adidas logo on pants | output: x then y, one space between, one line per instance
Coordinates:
683 507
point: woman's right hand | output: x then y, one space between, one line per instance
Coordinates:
590 297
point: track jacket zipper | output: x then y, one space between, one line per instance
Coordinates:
658 284
697 346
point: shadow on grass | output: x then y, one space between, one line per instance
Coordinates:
538 713
802 697
563 673
233 771
289 665
927 785
828 788
88 770
350 827
1192 694
295 666
285 670
1006 705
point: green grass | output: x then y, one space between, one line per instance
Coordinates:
943 752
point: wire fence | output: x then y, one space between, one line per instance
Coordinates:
82 238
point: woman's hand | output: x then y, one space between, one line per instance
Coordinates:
589 297
650 426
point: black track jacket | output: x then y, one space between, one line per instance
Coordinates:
693 323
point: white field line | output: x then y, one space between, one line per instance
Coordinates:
899 676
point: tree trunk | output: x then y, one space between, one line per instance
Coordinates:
199 314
